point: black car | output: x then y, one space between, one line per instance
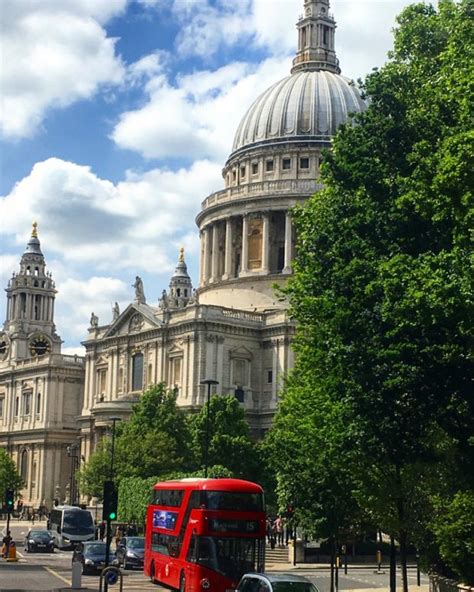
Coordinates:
39 540
258 582
131 552
92 556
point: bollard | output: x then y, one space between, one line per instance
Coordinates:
12 552
76 575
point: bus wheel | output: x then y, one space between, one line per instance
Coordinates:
182 583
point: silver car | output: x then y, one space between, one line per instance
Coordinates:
255 582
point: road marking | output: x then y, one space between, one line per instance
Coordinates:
55 573
20 554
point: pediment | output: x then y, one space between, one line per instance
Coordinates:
241 352
136 318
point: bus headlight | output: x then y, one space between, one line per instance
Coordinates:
205 584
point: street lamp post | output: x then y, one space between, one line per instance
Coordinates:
72 452
209 382
108 535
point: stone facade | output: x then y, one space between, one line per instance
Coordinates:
40 388
234 328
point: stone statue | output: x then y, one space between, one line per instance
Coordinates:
115 311
94 320
163 302
194 297
139 292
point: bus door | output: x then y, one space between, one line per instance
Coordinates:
192 568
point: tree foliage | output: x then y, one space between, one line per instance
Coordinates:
92 474
382 292
9 476
230 444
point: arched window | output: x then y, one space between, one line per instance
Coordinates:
24 464
137 372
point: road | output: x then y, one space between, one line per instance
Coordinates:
48 571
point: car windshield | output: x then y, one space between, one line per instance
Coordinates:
95 549
283 586
78 522
136 543
232 500
231 557
40 534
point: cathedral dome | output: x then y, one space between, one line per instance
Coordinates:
307 106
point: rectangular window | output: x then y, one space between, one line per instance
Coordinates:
26 403
137 372
2 399
240 372
242 172
286 164
269 376
172 498
17 406
102 381
254 168
38 403
234 175
304 163
176 365
269 166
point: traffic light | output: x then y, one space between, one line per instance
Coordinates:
9 499
110 501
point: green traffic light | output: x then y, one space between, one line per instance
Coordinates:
112 515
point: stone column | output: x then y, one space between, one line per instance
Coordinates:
265 242
205 263
245 246
228 250
215 253
288 241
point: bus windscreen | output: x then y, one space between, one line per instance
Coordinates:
232 500
78 522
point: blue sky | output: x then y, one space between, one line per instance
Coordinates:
117 117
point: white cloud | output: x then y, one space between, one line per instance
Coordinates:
130 225
198 116
53 53
76 299
362 40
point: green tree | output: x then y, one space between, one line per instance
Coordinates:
92 474
230 444
382 289
156 438
9 476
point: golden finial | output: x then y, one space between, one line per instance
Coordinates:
181 255
34 230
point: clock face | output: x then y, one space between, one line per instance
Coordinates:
3 346
39 345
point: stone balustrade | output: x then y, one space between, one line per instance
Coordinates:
287 187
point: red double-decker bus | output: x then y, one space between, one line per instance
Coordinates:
204 534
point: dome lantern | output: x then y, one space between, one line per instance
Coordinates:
316 39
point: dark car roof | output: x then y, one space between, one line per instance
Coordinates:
88 543
39 532
280 577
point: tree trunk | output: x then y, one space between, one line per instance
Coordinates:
403 559
393 565
331 586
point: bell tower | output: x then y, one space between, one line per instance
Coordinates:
316 39
29 329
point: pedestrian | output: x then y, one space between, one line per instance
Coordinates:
102 530
7 539
279 530
273 535
118 535
269 530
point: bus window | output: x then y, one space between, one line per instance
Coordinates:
231 500
191 554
